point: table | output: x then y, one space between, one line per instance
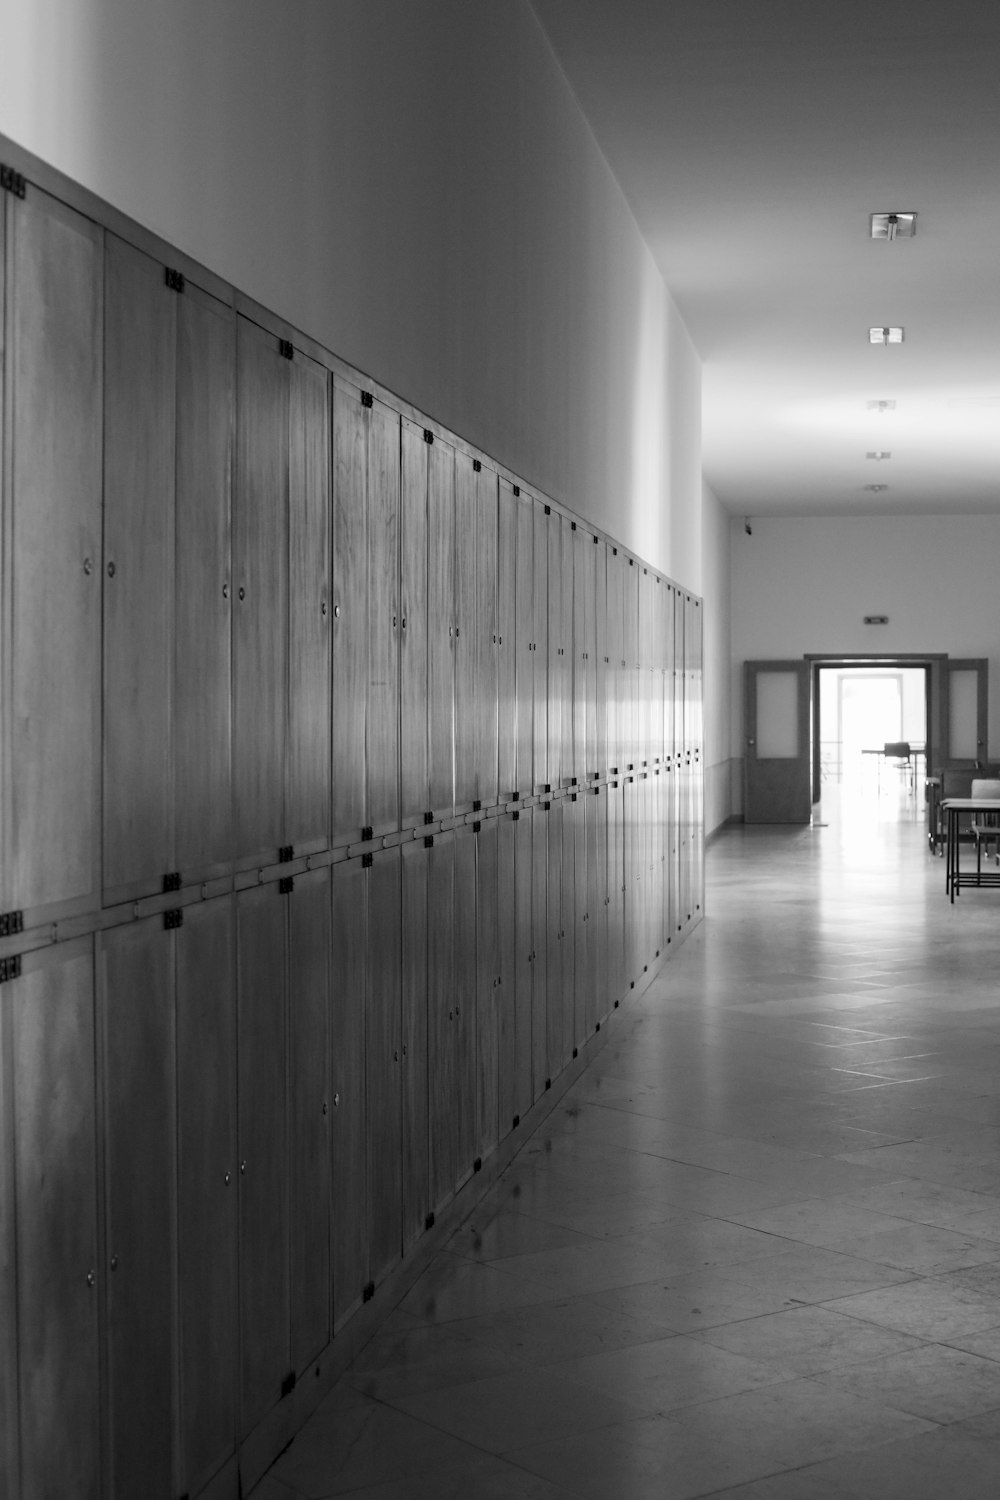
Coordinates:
955 877
917 752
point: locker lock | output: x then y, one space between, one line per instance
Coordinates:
336 1100
225 591
91 1279
243 1169
114 1262
112 570
243 592
88 566
336 611
227 1179
323 609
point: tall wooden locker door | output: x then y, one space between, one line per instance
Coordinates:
524 962
140 319
441 628
551 940
309 918
645 642
572 772
413 765
487 653
488 988
587 952
351 622
524 643
137 1044
260 575
506 971
441 1079
202 664
308 745
467 632
49 1046
559 724
539 966
600 903
590 655
574 899
263 1148
348 993
465 1040
415 1181
382 747
507 700
384 1064
630 574
579 560
540 654
207 1177
617 980
616 660
50 694
602 674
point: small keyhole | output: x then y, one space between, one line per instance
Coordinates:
225 591
243 592
88 566
112 570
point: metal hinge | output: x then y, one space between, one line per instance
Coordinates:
477 1165
429 1222
367 399
288 1384
477 467
476 827
477 806
172 881
367 860
367 834
428 435
515 816
11 923
173 279
369 1292
286 853
12 182
286 348
572 525
173 918
517 490
428 818
286 885
429 841
10 968
516 1122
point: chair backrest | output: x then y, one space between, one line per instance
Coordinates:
984 788
956 783
897 749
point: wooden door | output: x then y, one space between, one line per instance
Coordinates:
551 939
441 1079
630 654
602 674
260 574
383 1056
351 620
600 904
415 1183
382 709
48 1021
559 723
524 962
776 728
263 1149
582 583
309 919
524 642
414 790
540 655
50 709
465 1039
467 627
616 660
485 666
964 731
507 599
207 1176
441 628
136 979
348 992
539 976
202 614
616 893
507 974
308 745
488 988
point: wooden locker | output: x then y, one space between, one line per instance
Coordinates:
351 623
414 790
382 749
602 674
415 1183
48 1016
140 318
486 656
507 974
140 1179
574 907
524 962
309 934
202 662
488 988
263 1149
383 1054
630 574
467 627
540 655
524 642
539 928
587 954
207 1176
618 982
550 941
308 744
600 906
507 599
441 1077
616 662
465 1039
50 711
559 728
348 993
260 575
581 557
441 628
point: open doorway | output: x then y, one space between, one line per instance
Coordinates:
870 732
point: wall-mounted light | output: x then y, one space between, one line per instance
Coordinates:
892 226
885 335
875 489
881 406
878 454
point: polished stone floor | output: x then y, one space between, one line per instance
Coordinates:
756 1251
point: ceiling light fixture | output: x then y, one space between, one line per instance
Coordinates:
878 453
893 226
881 406
885 335
875 489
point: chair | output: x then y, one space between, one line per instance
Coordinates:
985 826
898 751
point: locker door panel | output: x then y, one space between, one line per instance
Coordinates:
540 609
581 954
53 568
539 928
260 573
414 791
616 662
558 766
465 1038
308 748
488 989
351 427
206 355
441 628
507 974
207 1190
441 1079
599 907
347 1075
309 1114
602 676
49 1019
591 761
524 642
263 1147
616 894
140 1175
486 658
580 559
507 701
552 942
383 1047
630 575
468 626
383 630
415 1184
524 962
139 426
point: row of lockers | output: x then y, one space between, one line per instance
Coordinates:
226 1132
252 607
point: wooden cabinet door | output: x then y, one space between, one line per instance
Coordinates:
202 663
524 643
488 988
616 660
590 656
507 701
559 727
139 426
485 667
48 1021
551 940
441 1080
464 1031
539 927
467 638
383 1057
540 657
630 653
524 962
309 919
441 628
414 791
415 1184
263 1149
207 1176
383 621
600 905
351 425
507 974
140 1177
616 893
50 710
348 993
602 676
260 575
308 747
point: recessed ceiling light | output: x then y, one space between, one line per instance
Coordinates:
885 335
875 489
881 406
893 226
878 454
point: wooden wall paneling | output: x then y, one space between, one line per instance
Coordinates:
352 424
489 991
308 744
207 1192
467 628
202 662
140 319
260 575
382 749
559 732
263 1149
383 1062
539 964
602 674
441 1077
647 631
486 656
50 1026
540 655
137 1044
415 790
348 1071
551 942
309 936
465 1038
441 624
524 645
524 961
507 698
507 973
415 1182
51 625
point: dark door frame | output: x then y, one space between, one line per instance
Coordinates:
931 661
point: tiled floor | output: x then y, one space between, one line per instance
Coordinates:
756 1251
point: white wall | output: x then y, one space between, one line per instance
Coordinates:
414 186
715 550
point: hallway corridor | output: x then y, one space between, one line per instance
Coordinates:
755 1251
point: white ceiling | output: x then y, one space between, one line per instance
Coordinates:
752 139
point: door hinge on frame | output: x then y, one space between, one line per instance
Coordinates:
11 923
10 968
173 279
12 182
